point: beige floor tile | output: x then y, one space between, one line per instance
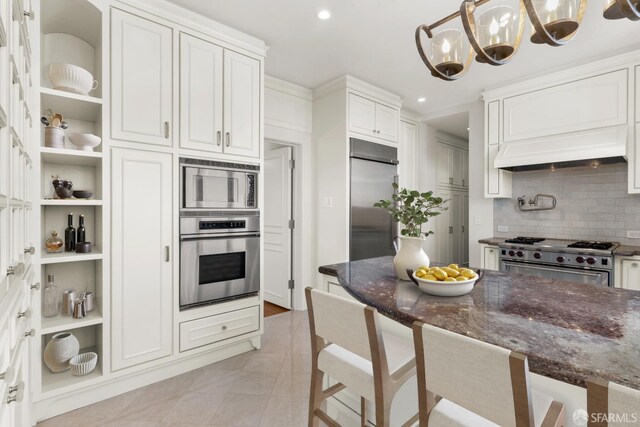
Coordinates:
130 423
254 383
301 347
263 361
67 421
300 363
107 408
151 405
214 381
241 410
195 408
292 384
236 363
285 411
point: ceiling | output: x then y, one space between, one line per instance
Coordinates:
374 40
454 124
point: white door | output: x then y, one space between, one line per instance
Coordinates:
443 166
444 231
465 168
387 122
362 115
277 234
455 206
241 105
141 78
200 94
631 274
464 228
142 285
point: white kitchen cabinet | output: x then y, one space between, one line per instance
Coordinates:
141 80
362 115
212 329
201 98
387 122
241 105
452 227
142 234
588 103
497 182
452 166
490 257
373 119
627 270
637 85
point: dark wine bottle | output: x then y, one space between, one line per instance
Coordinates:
81 230
70 235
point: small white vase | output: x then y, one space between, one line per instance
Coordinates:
59 351
411 255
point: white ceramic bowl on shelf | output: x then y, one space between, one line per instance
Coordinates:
83 363
71 78
445 289
85 141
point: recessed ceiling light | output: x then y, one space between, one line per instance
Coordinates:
422 99
324 14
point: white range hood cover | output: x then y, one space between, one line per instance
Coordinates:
575 147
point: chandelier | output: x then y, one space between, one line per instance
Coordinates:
495 35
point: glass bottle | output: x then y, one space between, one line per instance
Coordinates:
81 230
70 235
50 298
54 244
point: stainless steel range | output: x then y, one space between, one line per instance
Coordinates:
575 261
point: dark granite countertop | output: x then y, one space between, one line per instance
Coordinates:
569 331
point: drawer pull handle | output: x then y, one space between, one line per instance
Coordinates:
35 287
228 139
30 250
14 270
166 130
224 327
167 253
30 334
219 137
26 314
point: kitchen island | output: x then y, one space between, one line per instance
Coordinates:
569 332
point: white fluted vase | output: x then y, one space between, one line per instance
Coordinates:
410 256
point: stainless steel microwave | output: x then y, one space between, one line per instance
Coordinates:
208 184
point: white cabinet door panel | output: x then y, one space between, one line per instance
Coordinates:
142 324
443 166
493 174
491 258
141 64
631 274
241 105
409 141
362 115
465 168
387 122
456 166
581 105
637 94
200 94
464 228
493 123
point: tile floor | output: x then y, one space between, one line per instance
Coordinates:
266 388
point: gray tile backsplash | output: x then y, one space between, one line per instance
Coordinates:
593 204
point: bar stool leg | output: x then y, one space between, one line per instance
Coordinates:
315 396
363 412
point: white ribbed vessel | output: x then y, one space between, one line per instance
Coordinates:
410 256
59 351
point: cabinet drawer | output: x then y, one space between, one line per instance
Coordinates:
197 333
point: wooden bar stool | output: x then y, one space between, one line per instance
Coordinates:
348 345
610 404
466 382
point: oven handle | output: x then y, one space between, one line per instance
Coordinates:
217 236
593 273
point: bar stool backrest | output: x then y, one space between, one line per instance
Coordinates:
612 405
488 380
340 321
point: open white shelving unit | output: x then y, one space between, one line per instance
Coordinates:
72 32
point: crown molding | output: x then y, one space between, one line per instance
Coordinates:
571 73
195 21
284 86
353 84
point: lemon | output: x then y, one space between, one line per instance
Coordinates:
469 274
421 273
424 267
451 272
461 278
450 279
440 274
454 266
430 277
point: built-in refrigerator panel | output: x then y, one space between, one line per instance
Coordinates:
373 171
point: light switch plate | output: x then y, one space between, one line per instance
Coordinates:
327 202
503 228
633 234
476 220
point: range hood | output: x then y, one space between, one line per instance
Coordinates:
594 147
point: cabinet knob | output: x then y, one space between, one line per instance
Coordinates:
30 334
224 327
35 287
26 314
451 229
16 393
30 250
17 269
219 137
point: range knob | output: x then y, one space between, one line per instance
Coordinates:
561 259
537 255
520 253
580 259
591 260
512 253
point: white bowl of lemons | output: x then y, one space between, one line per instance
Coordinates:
449 281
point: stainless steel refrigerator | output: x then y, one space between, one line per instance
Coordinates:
373 171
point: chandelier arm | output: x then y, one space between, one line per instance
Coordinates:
541 30
467 9
434 71
453 16
628 10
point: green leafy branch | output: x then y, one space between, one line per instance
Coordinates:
412 209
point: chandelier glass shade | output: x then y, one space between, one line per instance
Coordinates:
555 22
446 53
620 9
